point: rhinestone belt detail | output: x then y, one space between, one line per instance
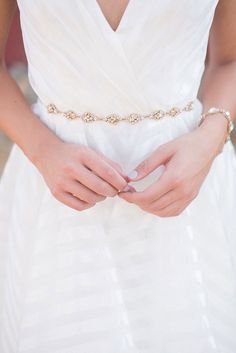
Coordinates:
115 118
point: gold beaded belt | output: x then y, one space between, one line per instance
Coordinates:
115 118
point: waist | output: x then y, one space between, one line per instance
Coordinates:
113 118
126 143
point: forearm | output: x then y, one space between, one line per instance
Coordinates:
217 89
18 121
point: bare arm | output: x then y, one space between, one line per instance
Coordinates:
16 118
218 84
76 175
188 158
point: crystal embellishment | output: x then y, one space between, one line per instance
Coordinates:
113 119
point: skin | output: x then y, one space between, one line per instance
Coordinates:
81 177
113 11
181 181
76 175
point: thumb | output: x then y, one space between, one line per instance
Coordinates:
159 157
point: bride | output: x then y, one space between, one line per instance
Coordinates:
117 201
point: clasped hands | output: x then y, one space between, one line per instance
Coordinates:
187 160
79 176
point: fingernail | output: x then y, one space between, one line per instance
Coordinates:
133 174
127 188
132 189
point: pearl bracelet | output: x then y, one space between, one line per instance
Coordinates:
225 113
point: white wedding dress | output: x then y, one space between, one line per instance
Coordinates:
113 278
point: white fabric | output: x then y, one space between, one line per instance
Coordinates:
113 278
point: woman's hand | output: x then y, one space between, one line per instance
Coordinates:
78 176
187 161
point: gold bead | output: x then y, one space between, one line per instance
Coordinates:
174 111
158 114
134 118
69 115
88 117
188 107
113 119
52 109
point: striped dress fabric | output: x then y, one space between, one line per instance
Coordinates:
114 278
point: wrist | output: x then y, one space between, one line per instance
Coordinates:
215 129
43 143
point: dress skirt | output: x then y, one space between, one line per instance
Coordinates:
114 278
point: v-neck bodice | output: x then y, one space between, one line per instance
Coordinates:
116 277
155 58
122 17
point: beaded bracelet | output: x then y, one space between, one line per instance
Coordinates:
225 113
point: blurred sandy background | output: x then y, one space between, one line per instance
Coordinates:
17 65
